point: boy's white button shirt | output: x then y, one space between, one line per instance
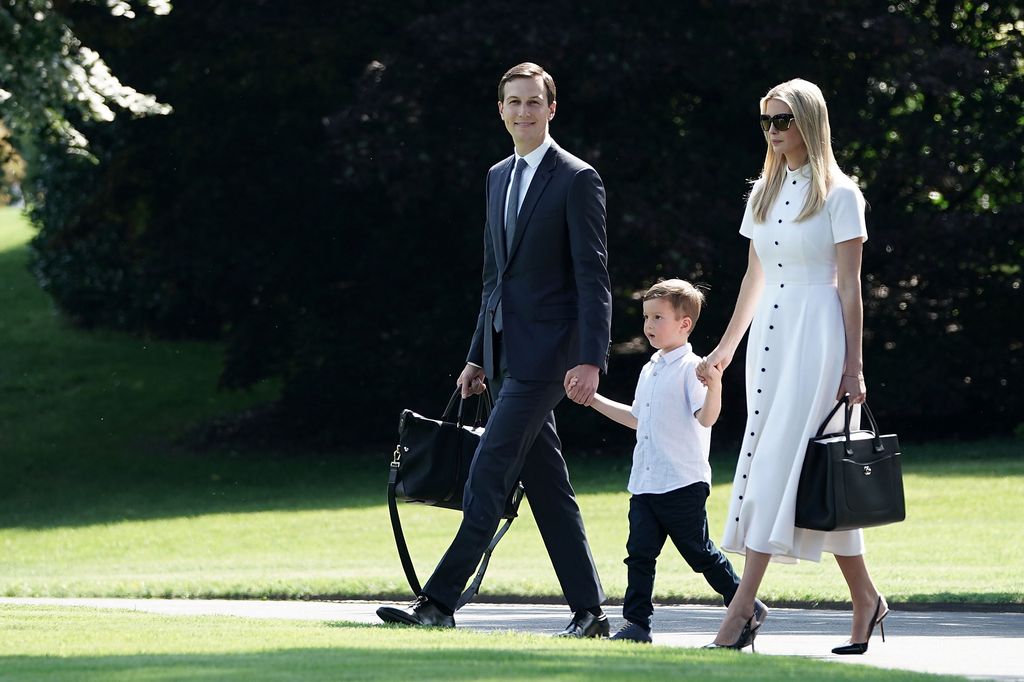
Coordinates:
671 446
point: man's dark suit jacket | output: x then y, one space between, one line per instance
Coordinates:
553 282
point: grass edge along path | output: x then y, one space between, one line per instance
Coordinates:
90 644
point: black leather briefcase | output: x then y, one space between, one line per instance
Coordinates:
430 465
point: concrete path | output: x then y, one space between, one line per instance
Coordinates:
983 646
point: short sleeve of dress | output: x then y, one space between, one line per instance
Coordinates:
747 226
845 205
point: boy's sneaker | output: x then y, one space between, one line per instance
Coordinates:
631 632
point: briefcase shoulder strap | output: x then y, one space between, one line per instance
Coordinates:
474 586
403 548
396 526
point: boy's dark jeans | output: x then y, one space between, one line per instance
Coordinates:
678 514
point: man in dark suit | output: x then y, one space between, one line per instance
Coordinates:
542 333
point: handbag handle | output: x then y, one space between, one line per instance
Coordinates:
845 402
483 407
874 426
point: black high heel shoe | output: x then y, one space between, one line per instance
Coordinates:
749 631
876 619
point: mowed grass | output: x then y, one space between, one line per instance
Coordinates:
96 498
85 644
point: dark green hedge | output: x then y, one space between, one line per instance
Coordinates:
328 224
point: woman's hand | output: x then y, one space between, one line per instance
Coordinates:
719 359
855 386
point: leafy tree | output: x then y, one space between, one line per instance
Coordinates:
328 225
49 76
926 103
12 169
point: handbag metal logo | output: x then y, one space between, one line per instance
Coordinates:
867 470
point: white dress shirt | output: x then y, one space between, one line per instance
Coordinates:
671 445
533 160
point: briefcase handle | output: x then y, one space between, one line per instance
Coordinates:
483 408
845 402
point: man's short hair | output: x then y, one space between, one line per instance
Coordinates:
685 298
527 70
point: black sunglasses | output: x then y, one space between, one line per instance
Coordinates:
781 122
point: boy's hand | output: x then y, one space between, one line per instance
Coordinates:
709 375
702 371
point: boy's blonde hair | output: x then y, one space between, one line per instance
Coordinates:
685 298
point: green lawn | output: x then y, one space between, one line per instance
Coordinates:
86 644
96 498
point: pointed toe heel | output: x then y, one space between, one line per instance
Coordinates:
853 648
857 648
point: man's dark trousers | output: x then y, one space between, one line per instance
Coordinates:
521 443
678 514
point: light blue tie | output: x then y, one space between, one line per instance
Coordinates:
511 213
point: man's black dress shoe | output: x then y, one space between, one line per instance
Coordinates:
421 612
586 624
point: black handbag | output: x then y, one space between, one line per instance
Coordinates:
430 465
850 480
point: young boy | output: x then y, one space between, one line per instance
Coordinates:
671 477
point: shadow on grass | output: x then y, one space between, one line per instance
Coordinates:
88 493
168 486
471 663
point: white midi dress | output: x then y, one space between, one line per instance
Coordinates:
795 359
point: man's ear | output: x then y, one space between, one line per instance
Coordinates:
501 109
551 110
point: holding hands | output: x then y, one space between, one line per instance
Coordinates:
711 376
581 384
713 366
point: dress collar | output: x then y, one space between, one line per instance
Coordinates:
803 172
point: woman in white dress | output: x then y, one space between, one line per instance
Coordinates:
801 299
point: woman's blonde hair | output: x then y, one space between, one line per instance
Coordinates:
810 116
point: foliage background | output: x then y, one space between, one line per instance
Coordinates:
315 198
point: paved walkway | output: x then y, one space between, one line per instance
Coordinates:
983 646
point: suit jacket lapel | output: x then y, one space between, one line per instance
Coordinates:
497 214
537 185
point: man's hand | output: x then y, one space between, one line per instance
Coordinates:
581 384
471 381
